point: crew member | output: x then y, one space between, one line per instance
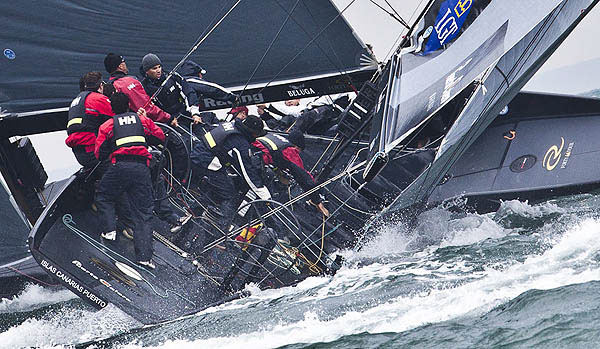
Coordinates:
176 96
229 143
194 75
284 153
87 112
281 116
117 68
124 140
239 112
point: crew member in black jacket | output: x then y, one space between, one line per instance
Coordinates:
176 97
124 139
194 75
229 143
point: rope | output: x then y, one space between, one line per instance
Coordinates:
324 152
312 266
31 277
289 203
68 220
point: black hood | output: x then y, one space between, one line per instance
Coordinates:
190 68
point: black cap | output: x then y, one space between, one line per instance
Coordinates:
112 61
254 125
296 137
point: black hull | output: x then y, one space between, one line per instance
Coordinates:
66 243
87 266
554 151
545 146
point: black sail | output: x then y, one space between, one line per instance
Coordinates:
48 44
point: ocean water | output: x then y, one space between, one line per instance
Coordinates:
524 276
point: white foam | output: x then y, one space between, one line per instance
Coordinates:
439 229
569 261
471 229
391 239
33 297
524 209
67 326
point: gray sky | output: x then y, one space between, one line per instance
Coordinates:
376 27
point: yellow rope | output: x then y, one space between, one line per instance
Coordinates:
311 266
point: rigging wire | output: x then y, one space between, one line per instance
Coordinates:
394 14
269 47
401 36
194 48
339 64
307 45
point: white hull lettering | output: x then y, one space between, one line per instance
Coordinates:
301 92
73 284
102 281
246 99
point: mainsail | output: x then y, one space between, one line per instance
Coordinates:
495 88
49 44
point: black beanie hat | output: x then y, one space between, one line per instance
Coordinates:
112 61
254 124
149 61
296 137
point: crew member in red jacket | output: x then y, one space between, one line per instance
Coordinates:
87 112
117 68
284 152
124 139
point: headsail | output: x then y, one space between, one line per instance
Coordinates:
48 45
498 86
14 230
449 48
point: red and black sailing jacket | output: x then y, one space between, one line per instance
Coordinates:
277 150
87 112
126 136
271 143
138 97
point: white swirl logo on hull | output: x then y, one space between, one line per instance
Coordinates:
553 155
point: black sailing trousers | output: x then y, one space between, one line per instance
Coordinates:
133 179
